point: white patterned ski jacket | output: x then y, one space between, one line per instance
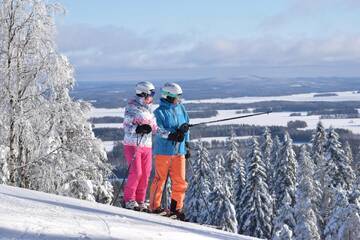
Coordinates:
138 113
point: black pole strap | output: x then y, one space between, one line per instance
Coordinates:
228 119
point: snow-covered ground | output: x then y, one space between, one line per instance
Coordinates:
108 125
26 214
106 112
306 97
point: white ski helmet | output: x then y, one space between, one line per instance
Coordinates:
171 90
145 88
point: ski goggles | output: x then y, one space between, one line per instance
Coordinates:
171 95
152 93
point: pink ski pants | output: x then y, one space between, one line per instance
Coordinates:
139 173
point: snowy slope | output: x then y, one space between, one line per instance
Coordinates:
26 214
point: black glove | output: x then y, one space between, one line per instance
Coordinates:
177 136
188 153
184 128
143 129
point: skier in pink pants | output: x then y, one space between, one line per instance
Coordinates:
139 123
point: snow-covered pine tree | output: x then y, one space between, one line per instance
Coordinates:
284 233
318 142
240 179
221 176
356 162
317 155
50 143
354 197
348 153
222 210
254 211
199 185
234 162
266 148
338 174
284 222
344 220
275 157
285 175
306 222
338 171
4 173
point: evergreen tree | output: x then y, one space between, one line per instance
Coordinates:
4 173
266 149
338 175
239 182
221 178
222 210
254 210
354 197
348 153
285 176
318 142
284 222
318 154
199 186
344 220
356 162
275 157
234 162
50 145
337 170
284 233
306 221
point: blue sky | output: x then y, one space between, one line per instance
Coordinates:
162 39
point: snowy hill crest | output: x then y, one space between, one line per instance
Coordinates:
26 214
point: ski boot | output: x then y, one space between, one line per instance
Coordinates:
132 205
175 213
143 207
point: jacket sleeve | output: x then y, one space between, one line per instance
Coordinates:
153 124
160 119
129 119
186 115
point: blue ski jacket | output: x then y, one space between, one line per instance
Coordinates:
170 117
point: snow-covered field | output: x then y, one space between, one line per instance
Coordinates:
108 125
306 97
282 118
273 119
26 215
106 112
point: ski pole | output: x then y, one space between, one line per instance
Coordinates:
128 169
228 119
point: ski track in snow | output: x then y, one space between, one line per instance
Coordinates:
30 215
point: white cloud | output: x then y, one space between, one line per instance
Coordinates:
119 48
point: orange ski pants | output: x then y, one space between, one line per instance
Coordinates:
175 166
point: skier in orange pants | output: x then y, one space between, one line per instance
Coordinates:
171 146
